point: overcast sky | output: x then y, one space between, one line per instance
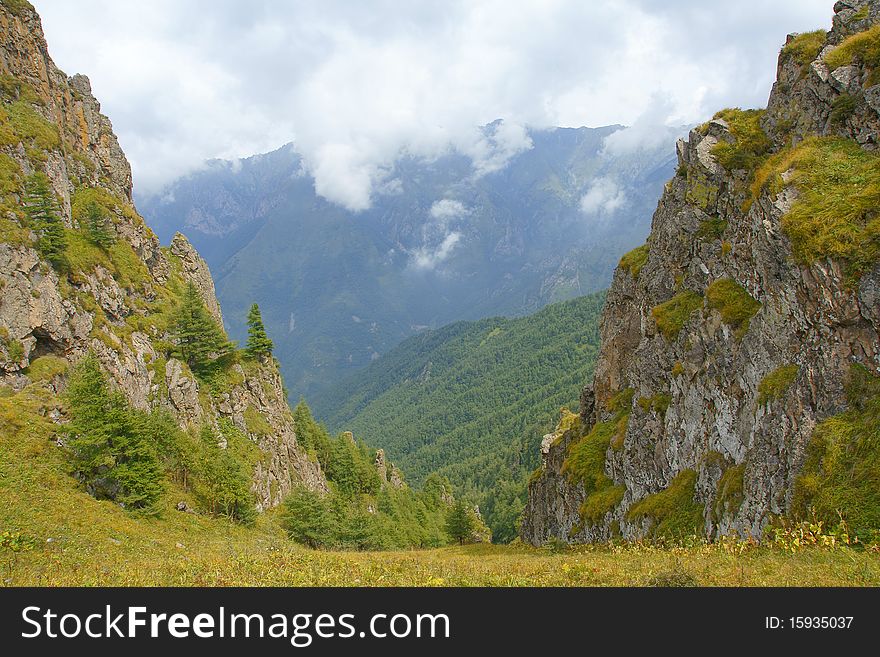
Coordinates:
355 83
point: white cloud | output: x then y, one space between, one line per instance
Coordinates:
603 197
355 85
446 209
649 131
426 258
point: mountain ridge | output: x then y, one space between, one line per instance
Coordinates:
439 245
737 377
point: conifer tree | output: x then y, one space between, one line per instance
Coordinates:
112 445
97 226
258 342
308 519
223 481
42 211
459 522
199 338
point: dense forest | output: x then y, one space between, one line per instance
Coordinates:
472 400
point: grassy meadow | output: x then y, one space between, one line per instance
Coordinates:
52 533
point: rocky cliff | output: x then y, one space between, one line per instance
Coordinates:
115 300
735 336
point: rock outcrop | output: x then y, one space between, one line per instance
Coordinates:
722 349
114 302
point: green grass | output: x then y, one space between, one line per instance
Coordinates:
97 543
658 403
673 511
730 491
634 260
751 144
17 7
46 368
860 48
599 503
119 259
776 383
842 108
734 303
804 48
256 423
672 315
20 122
585 460
836 214
842 468
712 229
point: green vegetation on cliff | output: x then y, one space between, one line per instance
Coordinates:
776 383
672 315
673 512
862 47
472 400
732 300
804 48
750 142
835 215
840 475
96 543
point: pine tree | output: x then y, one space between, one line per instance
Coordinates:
307 518
112 445
459 522
97 226
311 435
223 481
199 338
42 211
258 342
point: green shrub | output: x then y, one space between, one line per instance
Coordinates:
634 260
15 349
256 422
585 460
750 143
223 480
734 303
673 511
672 315
776 383
307 518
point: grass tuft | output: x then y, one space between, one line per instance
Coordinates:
734 303
672 315
776 383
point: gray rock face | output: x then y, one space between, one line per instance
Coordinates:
97 310
196 271
810 317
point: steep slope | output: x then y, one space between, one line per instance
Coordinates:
456 400
81 272
439 245
737 378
